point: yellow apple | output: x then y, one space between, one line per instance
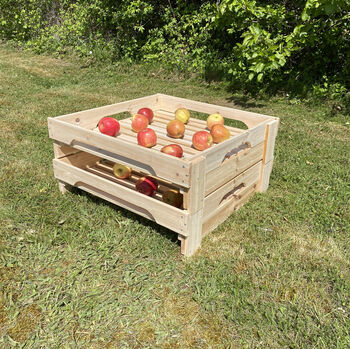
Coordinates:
183 115
215 119
121 171
173 197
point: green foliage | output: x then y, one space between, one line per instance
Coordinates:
251 43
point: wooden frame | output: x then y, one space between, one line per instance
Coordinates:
214 182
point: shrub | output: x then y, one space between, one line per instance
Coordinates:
254 44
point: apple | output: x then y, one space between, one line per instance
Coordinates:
147 138
121 171
219 133
175 128
147 112
139 122
202 140
173 197
109 126
172 149
146 185
214 119
183 115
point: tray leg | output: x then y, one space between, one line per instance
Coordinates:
62 150
64 187
190 244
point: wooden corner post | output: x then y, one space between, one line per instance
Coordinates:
193 203
60 151
267 160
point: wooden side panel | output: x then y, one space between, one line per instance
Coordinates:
217 155
250 119
232 167
225 210
147 160
89 118
166 215
230 190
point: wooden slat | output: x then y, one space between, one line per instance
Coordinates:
227 191
162 137
233 166
148 160
171 103
193 124
166 215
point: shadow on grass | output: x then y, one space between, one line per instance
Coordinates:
169 234
244 101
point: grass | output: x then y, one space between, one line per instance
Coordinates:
76 271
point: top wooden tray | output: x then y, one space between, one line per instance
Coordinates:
79 131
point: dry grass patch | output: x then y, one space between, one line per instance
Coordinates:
312 247
27 322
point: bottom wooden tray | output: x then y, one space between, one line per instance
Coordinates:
95 175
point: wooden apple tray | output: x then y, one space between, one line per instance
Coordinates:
214 182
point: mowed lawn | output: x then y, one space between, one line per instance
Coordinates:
78 272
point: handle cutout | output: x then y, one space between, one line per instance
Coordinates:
233 193
235 151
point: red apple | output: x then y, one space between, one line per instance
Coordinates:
121 171
139 122
147 112
173 197
215 119
172 149
109 126
175 128
147 138
183 115
202 140
219 133
146 185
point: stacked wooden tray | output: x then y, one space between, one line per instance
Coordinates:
214 182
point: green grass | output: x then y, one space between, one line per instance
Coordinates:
76 271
